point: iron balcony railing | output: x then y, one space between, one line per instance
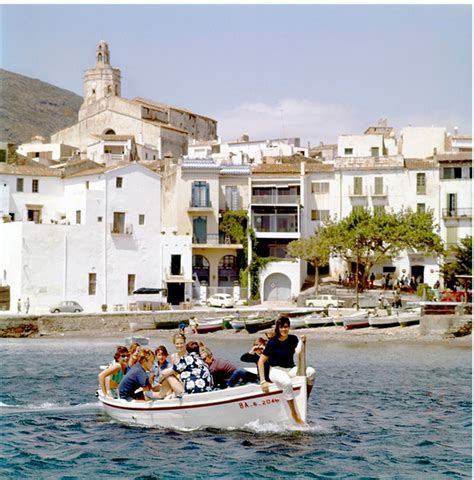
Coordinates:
457 213
379 192
357 192
213 239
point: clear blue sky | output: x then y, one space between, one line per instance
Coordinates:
313 71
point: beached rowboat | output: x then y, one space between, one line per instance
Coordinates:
208 325
252 325
230 408
383 321
316 320
408 318
356 320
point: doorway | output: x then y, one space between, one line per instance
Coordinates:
175 293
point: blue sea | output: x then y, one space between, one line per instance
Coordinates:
378 410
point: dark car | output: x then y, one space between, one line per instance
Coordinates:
67 306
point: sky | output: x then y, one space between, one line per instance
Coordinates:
268 71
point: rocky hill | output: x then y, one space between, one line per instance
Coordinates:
31 107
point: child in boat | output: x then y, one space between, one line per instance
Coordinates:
134 351
193 372
179 341
224 373
110 378
170 385
253 355
137 378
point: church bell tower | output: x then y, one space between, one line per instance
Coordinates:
102 81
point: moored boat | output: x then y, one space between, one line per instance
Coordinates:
356 320
297 322
230 408
408 318
208 325
383 321
252 324
315 320
167 324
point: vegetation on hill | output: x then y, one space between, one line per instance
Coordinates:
30 107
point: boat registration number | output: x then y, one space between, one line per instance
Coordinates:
260 403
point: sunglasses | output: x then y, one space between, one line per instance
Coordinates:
124 356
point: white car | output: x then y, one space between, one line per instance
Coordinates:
222 300
324 301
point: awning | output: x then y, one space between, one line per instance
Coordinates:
148 291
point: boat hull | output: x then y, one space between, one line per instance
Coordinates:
356 320
210 326
313 321
252 326
230 408
408 319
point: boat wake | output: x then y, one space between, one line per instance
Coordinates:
269 427
47 407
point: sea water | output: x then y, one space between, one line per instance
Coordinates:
378 410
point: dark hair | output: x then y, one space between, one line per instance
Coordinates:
120 350
281 321
161 349
192 347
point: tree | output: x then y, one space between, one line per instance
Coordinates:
371 238
315 250
462 264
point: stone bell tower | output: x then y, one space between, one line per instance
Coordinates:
102 81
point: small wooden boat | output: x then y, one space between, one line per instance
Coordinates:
252 324
297 322
169 324
408 318
356 320
316 320
230 408
208 325
383 321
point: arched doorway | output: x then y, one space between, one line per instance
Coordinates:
228 271
201 268
277 286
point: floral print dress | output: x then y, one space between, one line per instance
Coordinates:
194 374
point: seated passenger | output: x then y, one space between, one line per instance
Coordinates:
193 372
224 373
138 377
179 341
253 355
134 351
110 378
169 385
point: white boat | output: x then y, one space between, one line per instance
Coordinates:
207 325
383 321
408 318
252 324
316 320
297 322
356 320
230 408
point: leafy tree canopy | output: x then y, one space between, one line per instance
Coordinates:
462 264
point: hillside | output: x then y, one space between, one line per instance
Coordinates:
31 107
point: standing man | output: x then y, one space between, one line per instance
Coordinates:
18 306
27 305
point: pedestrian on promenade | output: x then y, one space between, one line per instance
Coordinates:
27 305
18 306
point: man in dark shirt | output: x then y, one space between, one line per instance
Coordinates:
224 373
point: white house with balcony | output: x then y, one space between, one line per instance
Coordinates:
97 237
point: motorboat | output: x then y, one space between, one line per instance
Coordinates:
358 319
316 320
229 408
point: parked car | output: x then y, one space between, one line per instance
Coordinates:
324 301
222 300
67 306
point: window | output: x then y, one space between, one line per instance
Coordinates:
420 207
34 214
78 217
175 264
200 194
452 204
452 235
35 185
374 151
19 184
320 187
319 215
99 219
450 173
357 185
232 198
378 185
92 283
141 219
348 151
119 222
3 155
87 184
119 182
421 183
130 283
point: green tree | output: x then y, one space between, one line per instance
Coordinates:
314 250
462 264
368 238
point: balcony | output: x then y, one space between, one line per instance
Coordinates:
196 207
120 229
358 192
457 213
275 223
379 192
215 240
276 199
109 158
